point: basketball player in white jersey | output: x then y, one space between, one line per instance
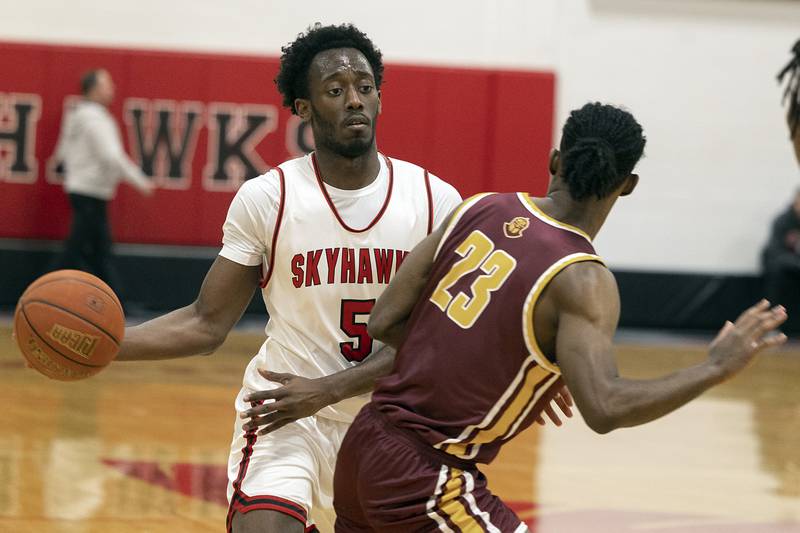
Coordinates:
323 234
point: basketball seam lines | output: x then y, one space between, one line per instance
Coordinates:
33 330
112 296
73 313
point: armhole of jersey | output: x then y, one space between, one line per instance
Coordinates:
457 214
533 296
430 201
278 220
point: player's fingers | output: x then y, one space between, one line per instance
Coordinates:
567 396
263 395
770 341
539 420
263 409
768 321
551 414
749 316
726 328
274 427
563 406
259 421
277 377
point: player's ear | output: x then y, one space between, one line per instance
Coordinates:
630 184
555 161
379 103
303 108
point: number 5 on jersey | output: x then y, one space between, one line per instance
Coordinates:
477 252
353 321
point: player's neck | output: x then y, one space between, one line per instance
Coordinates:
345 172
587 216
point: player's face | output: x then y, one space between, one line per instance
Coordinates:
343 103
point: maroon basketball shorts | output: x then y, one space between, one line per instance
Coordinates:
389 481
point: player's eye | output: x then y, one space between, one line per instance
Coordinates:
366 89
336 91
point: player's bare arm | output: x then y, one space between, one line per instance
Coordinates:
201 327
300 397
389 317
587 302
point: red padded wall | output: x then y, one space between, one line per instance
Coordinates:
478 129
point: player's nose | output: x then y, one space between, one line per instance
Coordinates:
353 98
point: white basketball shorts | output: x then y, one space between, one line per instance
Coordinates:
289 470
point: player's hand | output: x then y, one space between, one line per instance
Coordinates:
563 400
297 398
739 342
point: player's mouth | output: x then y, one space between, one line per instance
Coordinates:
357 122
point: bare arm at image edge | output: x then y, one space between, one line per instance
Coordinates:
389 317
587 300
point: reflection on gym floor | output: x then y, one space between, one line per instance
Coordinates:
142 448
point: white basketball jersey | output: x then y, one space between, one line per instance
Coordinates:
323 277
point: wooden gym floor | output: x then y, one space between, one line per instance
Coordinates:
142 448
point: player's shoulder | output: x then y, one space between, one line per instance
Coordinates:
585 282
266 186
300 164
439 187
401 166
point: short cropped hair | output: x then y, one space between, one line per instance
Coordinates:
292 79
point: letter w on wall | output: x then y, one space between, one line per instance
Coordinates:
163 137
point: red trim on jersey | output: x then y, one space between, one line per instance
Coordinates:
430 202
333 207
263 282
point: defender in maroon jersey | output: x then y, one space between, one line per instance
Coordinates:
492 314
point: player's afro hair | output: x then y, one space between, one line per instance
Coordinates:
792 91
292 79
600 145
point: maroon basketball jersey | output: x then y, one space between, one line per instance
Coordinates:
470 375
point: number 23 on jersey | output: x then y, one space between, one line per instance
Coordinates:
477 251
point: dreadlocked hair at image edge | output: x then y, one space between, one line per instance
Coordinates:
792 72
600 145
292 79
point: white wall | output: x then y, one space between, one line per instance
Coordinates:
698 74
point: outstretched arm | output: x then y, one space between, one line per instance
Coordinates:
198 328
588 302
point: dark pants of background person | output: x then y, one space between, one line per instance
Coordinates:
88 246
782 284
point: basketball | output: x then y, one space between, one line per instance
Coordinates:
69 325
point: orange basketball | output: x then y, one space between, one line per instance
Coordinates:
69 325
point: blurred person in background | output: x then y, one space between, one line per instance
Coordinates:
95 161
781 256
781 262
